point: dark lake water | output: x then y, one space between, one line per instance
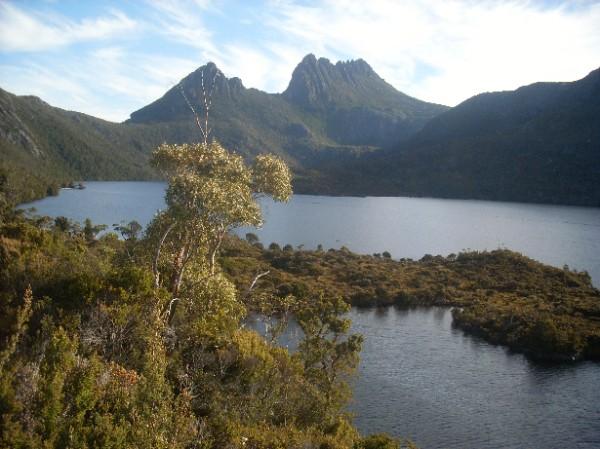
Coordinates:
418 377
421 379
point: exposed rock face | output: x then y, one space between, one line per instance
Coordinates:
14 130
357 105
325 105
317 83
172 106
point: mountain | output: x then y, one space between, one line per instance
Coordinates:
539 143
342 129
42 146
247 121
327 112
325 107
355 105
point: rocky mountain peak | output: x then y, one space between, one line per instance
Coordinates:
316 82
172 106
210 75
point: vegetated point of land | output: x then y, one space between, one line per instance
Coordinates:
501 296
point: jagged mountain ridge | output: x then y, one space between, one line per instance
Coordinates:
325 105
51 144
343 130
247 121
357 105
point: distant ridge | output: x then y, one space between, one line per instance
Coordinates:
539 143
51 145
343 130
42 146
324 106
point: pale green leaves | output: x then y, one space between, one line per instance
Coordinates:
208 182
210 192
272 177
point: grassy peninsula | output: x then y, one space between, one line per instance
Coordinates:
501 296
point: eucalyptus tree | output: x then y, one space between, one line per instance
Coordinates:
210 192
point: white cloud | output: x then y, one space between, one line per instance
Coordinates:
108 83
440 51
181 21
448 51
49 84
20 31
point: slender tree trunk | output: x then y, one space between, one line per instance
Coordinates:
177 278
215 250
155 270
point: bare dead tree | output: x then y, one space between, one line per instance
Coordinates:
207 101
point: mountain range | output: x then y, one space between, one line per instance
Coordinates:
343 130
326 108
539 143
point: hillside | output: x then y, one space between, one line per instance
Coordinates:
340 107
42 146
326 112
342 129
539 143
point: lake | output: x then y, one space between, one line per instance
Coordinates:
419 377
406 227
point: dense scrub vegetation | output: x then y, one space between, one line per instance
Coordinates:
140 341
500 295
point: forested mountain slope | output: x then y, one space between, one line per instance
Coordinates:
341 128
42 146
345 106
539 143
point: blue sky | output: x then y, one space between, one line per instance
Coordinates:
109 58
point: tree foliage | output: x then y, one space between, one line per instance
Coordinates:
210 192
94 354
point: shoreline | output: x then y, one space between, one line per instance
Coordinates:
501 296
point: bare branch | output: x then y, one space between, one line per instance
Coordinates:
206 109
193 112
168 312
215 249
207 100
256 278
